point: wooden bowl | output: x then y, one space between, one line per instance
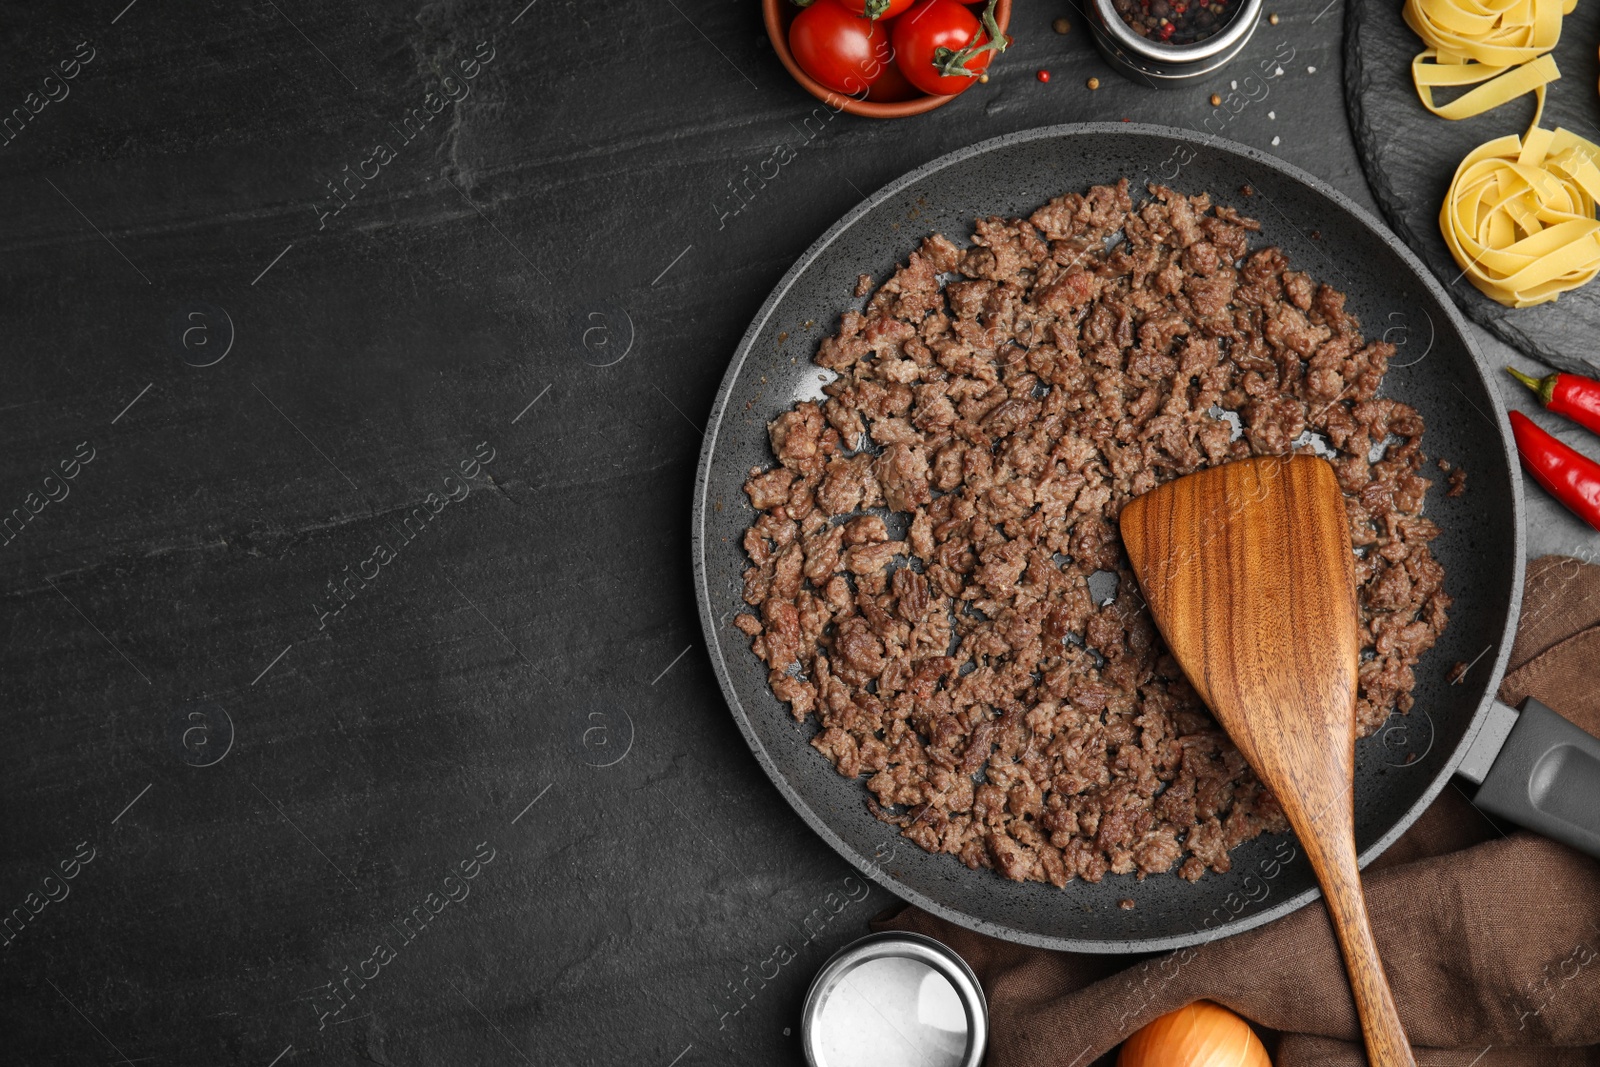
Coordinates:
777 14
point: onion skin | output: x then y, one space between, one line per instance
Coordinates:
1201 1035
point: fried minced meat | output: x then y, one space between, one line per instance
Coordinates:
920 566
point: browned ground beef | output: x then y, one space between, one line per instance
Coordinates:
921 559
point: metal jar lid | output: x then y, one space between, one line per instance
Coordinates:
1166 65
891 999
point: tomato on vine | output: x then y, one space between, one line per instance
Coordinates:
942 47
839 48
892 86
882 10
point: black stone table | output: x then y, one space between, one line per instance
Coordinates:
355 702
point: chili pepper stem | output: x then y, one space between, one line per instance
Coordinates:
1545 387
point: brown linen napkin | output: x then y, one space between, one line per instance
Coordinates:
1491 942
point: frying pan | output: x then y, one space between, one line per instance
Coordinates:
1400 768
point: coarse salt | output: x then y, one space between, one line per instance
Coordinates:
894 1012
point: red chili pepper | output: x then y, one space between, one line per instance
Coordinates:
1570 476
1571 395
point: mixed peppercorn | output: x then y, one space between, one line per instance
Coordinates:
1175 21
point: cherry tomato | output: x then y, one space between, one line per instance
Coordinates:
882 10
931 25
843 51
892 86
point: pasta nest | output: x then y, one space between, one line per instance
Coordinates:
1473 41
1519 216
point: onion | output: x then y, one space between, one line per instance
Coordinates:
1202 1035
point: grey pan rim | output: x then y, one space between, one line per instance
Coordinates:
713 637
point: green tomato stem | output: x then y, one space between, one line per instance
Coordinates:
951 63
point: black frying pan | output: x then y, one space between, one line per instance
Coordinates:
1399 769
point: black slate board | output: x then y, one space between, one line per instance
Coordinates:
1410 155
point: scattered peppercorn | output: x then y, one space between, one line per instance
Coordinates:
1093 83
1273 18
1216 101
1043 75
1061 25
983 79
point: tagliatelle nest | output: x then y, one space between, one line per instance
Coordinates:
1500 42
1519 216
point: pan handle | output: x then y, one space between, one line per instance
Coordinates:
1546 777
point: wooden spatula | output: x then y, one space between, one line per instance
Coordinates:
1248 571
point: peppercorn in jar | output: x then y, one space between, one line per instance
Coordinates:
1175 21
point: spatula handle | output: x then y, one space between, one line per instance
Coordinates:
1333 857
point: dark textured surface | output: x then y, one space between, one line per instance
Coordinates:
1410 155
555 239
1399 768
